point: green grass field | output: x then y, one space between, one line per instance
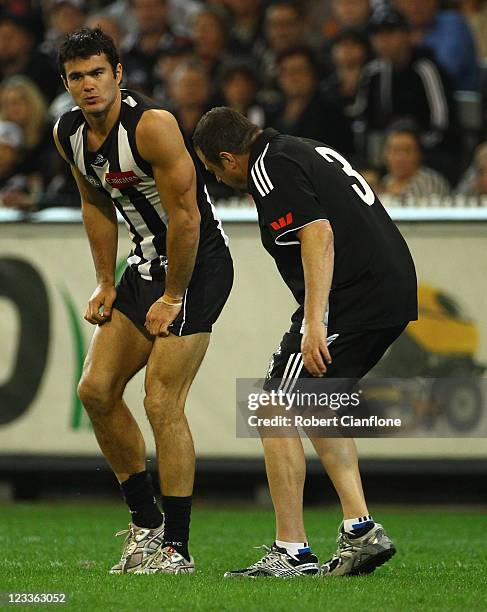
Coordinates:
441 563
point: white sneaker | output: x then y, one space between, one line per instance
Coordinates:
278 562
356 556
140 545
167 561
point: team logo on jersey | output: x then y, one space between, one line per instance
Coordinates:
92 180
122 180
99 160
282 221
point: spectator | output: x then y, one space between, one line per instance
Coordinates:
119 10
63 17
209 35
247 28
284 30
140 50
109 24
189 89
402 82
18 55
17 190
239 91
190 93
284 26
347 14
475 12
474 182
406 176
350 51
181 13
303 110
448 36
170 57
22 102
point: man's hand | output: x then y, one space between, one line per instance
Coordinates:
161 314
16 198
314 349
99 309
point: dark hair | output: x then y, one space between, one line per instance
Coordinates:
87 42
242 67
297 7
219 15
350 34
223 129
404 125
305 52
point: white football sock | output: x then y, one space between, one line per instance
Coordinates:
354 524
294 548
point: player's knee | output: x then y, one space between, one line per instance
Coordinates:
96 396
162 406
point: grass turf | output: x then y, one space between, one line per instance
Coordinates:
440 566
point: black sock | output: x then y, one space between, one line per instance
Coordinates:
177 514
139 495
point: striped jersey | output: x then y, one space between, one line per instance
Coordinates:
118 170
424 183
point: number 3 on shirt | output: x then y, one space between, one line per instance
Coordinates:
364 191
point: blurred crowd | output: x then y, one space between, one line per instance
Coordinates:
397 86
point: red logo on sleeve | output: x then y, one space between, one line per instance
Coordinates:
122 180
282 221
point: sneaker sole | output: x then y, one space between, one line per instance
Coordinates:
246 576
118 572
369 566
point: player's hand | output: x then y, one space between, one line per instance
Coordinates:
314 349
161 315
99 309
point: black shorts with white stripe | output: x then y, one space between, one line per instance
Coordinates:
203 300
353 355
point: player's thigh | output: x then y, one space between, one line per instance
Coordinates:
173 363
118 350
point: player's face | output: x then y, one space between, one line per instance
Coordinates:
230 172
92 84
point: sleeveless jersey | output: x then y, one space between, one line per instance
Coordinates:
118 170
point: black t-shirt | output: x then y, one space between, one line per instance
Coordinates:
296 181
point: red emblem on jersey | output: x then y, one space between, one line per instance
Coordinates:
282 221
122 180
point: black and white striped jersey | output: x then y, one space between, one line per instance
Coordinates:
118 170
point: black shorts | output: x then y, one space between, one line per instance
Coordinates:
203 301
353 355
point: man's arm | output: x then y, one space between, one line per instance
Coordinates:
317 255
436 100
160 142
100 221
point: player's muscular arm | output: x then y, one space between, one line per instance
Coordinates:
160 142
100 221
317 255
